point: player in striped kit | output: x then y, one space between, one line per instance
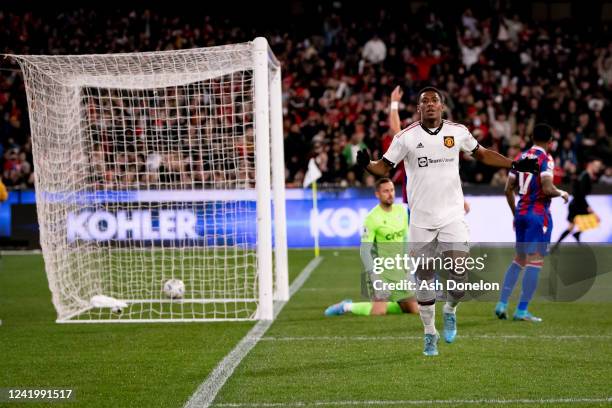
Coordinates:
532 224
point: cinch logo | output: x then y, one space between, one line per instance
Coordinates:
394 235
422 161
124 225
342 222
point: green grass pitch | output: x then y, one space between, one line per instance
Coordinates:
306 359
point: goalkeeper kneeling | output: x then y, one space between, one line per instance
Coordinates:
384 238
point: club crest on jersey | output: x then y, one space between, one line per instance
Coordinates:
449 141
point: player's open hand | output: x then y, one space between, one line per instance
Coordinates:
526 165
564 196
363 158
397 93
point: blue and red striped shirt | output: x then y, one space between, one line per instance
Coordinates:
532 197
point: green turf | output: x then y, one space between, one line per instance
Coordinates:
304 357
308 358
109 365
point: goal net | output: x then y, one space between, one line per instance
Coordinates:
157 166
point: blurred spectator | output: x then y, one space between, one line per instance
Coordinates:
606 178
356 144
499 178
501 74
375 50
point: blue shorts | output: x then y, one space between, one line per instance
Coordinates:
533 232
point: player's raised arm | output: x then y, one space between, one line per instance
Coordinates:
394 117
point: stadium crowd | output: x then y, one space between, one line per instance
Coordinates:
501 73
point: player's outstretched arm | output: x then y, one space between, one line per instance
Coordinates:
379 168
494 159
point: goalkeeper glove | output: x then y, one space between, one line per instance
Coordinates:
363 158
526 166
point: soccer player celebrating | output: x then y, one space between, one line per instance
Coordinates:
385 230
430 149
395 124
532 224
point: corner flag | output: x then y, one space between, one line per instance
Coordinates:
312 175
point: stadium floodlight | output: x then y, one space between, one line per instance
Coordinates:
155 167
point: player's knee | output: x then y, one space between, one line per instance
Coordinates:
520 260
457 293
534 258
425 274
409 306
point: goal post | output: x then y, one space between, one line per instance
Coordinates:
156 166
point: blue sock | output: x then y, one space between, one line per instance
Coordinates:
510 279
530 283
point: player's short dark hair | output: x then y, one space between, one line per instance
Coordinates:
382 181
542 132
430 89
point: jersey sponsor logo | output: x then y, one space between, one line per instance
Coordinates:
422 161
449 141
394 235
420 146
442 160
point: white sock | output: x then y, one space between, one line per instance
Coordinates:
348 307
428 317
450 307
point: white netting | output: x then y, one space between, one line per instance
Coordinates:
145 170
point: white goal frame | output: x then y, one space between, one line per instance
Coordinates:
271 246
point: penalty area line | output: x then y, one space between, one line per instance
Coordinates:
206 392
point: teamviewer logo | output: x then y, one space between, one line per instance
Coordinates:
422 161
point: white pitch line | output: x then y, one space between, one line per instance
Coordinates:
467 336
21 252
415 402
208 390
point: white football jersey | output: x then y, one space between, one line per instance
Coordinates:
435 197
